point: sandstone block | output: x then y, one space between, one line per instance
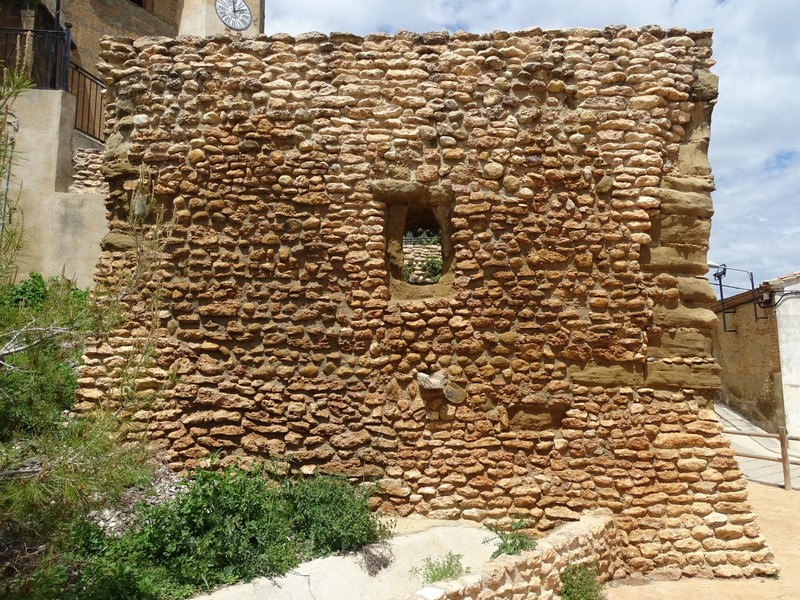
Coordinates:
696 376
676 202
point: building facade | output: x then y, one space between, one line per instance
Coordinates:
756 342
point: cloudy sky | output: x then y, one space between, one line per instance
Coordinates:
755 133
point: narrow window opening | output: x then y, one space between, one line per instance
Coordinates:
422 247
419 231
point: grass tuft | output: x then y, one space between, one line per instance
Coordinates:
511 542
440 569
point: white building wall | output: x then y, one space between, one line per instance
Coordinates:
61 231
788 315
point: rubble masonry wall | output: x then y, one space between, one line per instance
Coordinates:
562 363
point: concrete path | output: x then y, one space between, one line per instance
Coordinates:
348 577
762 471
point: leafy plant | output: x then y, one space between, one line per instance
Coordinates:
579 582
331 516
432 267
408 270
31 292
440 569
512 542
223 527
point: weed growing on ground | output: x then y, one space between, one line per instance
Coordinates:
515 541
440 569
579 582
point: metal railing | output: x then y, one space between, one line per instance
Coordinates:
48 54
90 109
52 69
783 442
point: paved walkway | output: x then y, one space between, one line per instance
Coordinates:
762 471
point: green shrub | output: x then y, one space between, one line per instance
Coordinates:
31 292
432 267
224 527
515 541
579 582
41 322
408 270
440 569
331 516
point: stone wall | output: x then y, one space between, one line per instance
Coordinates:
592 541
563 361
86 171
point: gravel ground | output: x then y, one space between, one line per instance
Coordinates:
115 520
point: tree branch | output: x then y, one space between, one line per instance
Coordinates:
26 472
14 346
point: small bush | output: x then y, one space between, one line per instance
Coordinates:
432 267
408 270
222 528
440 569
512 542
41 320
579 582
331 516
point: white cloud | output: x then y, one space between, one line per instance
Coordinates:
754 152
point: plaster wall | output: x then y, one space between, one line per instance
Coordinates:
563 361
788 320
751 366
61 231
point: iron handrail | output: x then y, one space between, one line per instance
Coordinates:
89 92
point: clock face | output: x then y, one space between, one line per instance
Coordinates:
234 13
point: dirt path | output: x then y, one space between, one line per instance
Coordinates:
779 516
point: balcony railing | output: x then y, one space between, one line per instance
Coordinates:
48 50
51 69
90 108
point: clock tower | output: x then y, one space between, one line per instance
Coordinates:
209 17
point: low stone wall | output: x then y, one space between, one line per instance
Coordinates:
536 574
415 257
86 175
